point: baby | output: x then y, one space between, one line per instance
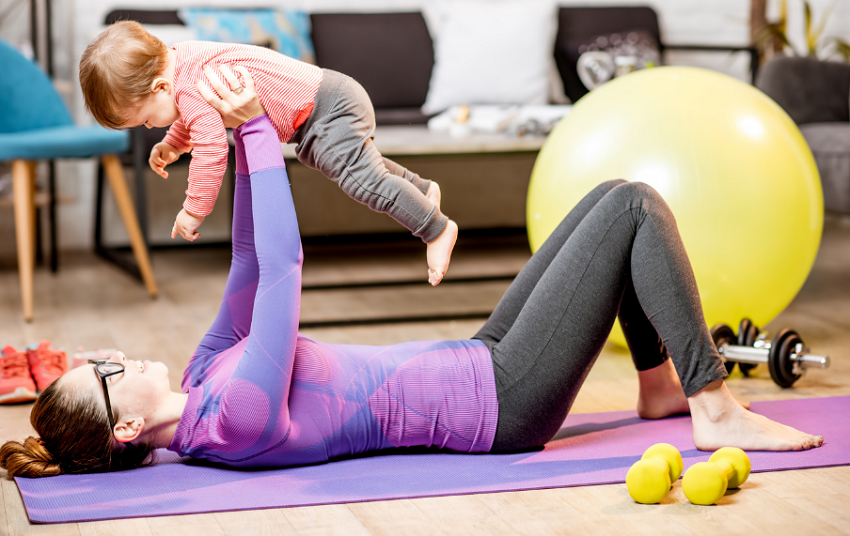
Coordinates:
130 78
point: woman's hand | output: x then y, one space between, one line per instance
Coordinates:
235 108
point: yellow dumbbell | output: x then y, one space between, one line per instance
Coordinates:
706 482
651 477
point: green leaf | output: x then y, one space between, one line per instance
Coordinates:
810 41
826 14
774 31
842 47
783 17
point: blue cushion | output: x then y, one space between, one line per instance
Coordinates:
284 30
27 97
62 142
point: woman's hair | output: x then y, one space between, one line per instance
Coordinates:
117 70
75 438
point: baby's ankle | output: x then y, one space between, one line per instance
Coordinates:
433 194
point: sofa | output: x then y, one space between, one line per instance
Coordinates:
392 55
816 94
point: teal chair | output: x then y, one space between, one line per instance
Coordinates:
35 125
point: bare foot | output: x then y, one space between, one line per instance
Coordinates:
440 252
661 393
720 421
434 194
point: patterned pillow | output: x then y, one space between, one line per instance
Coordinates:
636 43
286 31
610 55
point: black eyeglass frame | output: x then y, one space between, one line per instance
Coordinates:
103 375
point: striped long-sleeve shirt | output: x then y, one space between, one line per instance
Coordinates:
263 395
287 90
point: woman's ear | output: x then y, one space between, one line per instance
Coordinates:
126 431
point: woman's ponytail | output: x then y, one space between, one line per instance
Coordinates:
30 459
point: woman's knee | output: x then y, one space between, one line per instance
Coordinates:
642 196
593 197
638 191
607 186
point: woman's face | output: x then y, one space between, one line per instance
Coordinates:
136 392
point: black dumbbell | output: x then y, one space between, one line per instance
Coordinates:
748 334
786 356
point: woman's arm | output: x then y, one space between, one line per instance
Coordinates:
233 322
253 410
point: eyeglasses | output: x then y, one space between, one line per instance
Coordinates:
104 369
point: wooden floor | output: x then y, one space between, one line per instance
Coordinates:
93 305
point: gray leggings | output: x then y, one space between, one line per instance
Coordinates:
616 254
338 140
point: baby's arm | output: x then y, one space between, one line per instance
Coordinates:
208 141
162 154
178 137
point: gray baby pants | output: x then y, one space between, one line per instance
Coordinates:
338 140
616 254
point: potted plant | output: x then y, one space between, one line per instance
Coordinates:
817 45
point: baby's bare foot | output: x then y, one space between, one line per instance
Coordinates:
440 252
434 194
720 421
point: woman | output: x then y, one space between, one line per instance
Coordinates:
258 394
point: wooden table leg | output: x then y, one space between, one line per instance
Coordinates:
115 174
22 186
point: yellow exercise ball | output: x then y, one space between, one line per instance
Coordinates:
731 164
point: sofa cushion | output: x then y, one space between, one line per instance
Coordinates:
576 25
390 54
490 53
830 145
599 56
284 30
810 90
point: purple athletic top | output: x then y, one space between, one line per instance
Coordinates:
263 395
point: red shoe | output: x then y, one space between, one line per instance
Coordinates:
46 364
16 383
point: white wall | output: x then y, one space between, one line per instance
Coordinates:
77 21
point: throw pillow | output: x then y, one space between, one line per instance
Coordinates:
490 52
606 56
286 31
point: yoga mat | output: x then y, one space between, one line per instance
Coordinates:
591 448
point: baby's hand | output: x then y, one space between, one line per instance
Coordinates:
186 224
162 154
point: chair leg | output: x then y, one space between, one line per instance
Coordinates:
22 185
51 214
115 175
32 167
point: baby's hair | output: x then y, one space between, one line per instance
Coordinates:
117 70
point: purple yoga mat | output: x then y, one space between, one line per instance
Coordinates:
591 448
